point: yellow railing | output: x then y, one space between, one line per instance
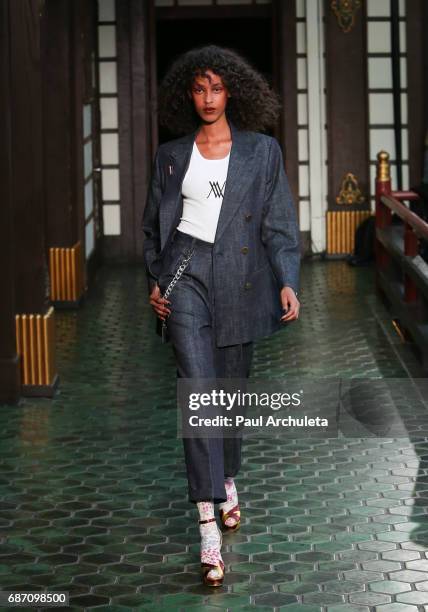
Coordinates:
35 344
66 273
341 227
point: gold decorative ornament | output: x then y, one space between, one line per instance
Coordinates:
345 11
383 171
350 192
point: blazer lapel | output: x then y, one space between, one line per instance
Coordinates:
238 177
172 202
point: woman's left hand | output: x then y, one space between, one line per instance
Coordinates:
290 304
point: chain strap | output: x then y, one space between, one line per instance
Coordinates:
177 275
172 284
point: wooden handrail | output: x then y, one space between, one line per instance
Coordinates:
406 195
415 222
401 276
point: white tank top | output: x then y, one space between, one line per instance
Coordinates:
203 191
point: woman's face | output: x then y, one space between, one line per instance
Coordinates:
209 96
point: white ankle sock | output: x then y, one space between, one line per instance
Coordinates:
232 500
210 537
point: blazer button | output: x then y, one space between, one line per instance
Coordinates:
248 217
247 286
244 250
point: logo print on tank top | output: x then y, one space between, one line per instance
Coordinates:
216 189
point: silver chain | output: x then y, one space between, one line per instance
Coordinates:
177 275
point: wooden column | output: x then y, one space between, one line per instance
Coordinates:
26 156
58 115
66 45
347 113
347 119
284 56
9 362
417 84
136 82
80 66
32 335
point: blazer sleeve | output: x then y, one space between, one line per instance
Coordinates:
279 230
150 222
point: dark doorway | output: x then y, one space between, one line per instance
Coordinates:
249 36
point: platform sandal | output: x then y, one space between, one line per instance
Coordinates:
233 513
206 568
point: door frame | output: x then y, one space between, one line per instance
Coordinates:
137 91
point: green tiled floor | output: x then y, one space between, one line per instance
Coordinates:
92 483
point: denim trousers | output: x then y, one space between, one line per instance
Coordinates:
191 329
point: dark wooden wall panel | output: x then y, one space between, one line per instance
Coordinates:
285 71
145 83
417 78
67 41
347 112
27 153
68 38
78 91
58 109
135 147
9 363
125 113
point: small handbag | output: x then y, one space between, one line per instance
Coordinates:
180 270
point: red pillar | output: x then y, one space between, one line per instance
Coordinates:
383 213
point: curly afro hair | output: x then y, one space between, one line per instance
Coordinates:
253 105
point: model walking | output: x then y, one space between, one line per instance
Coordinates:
222 243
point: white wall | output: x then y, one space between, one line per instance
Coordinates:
107 66
311 112
381 115
312 150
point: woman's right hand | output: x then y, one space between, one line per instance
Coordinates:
158 303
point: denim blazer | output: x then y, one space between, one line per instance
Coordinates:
257 247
